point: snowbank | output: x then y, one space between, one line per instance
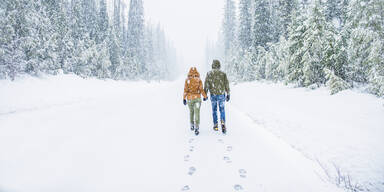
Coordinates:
31 93
343 132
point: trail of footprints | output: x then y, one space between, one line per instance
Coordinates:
242 172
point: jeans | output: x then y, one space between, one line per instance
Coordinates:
218 99
194 111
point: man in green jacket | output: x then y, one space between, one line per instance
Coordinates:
216 82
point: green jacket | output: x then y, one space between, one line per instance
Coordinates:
216 81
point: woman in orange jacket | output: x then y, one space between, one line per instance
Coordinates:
193 89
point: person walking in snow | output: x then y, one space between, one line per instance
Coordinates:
193 89
216 82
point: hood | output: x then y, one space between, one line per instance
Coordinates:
216 64
193 72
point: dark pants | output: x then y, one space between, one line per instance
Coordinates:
218 100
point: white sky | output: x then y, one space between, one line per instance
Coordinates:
188 24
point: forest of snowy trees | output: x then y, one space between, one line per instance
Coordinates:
80 37
337 43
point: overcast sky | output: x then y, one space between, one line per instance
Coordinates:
188 23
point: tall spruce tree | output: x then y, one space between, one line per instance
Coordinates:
294 69
285 11
245 24
103 22
136 50
262 24
229 26
318 46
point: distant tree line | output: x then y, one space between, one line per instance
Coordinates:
337 43
79 36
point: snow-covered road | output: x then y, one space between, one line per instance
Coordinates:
136 138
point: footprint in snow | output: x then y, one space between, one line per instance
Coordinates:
191 170
191 148
190 140
186 158
243 173
238 187
227 159
185 188
229 148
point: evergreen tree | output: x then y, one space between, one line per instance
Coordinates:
89 17
276 60
334 82
318 46
364 28
103 22
332 9
12 56
294 69
343 7
136 50
262 26
286 8
116 68
116 18
245 25
229 26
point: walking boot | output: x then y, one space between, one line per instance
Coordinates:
223 128
216 127
197 130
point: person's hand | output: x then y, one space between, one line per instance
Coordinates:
227 98
205 98
184 102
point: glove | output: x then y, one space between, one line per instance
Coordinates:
228 97
206 98
184 102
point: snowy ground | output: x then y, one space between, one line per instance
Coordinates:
68 134
342 132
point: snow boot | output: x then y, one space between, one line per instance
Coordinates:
197 130
192 127
216 127
223 128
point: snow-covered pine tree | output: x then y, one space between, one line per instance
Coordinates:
294 69
151 70
90 18
262 24
117 19
245 70
317 46
229 26
259 63
45 54
136 54
376 72
276 60
245 25
229 32
12 60
334 82
338 58
276 21
30 46
102 61
103 22
285 11
124 33
343 7
61 31
364 27
332 10
117 69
